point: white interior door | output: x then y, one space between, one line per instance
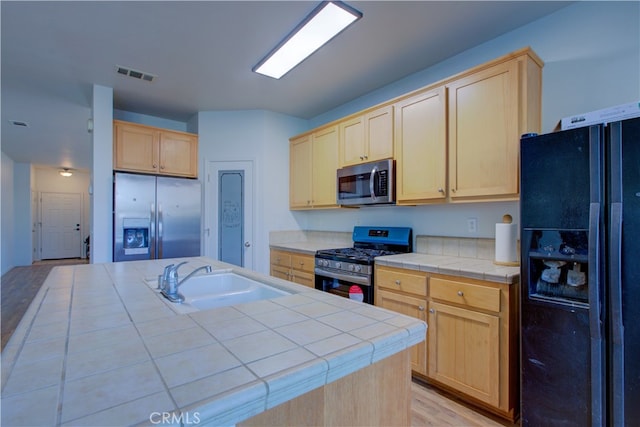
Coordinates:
229 212
61 215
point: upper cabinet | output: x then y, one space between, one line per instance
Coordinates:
313 164
146 149
367 137
488 112
454 141
421 147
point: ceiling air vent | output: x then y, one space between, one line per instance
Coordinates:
140 75
19 123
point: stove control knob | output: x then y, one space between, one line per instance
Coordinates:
358 268
351 267
325 263
338 265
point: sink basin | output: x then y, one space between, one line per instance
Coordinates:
223 289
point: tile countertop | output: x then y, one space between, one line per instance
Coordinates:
99 346
473 268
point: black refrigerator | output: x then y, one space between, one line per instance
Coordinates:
580 275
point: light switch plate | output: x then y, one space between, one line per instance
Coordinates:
472 225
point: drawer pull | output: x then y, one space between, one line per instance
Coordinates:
398 282
431 310
420 308
460 293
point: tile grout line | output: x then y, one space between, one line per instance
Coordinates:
66 354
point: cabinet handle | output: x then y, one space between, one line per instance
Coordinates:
460 293
420 308
453 189
398 282
161 167
361 158
441 190
366 157
431 310
155 166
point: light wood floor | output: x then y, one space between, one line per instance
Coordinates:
19 286
429 406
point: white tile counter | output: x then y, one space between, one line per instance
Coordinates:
99 346
473 268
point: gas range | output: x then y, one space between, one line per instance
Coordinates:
345 270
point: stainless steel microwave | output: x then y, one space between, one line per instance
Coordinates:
366 184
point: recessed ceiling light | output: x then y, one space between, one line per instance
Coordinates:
136 74
66 172
323 23
19 123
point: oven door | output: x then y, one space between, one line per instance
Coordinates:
357 288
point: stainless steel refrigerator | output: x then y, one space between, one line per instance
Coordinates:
155 217
580 311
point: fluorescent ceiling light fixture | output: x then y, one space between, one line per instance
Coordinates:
66 172
325 22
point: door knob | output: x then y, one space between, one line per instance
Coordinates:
247 244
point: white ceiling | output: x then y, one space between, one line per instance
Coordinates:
203 52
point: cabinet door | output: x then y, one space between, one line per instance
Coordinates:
135 148
300 153
483 133
420 148
303 278
379 133
325 166
280 272
414 307
178 154
352 144
464 351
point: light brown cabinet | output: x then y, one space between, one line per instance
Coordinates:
421 147
312 165
146 149
454 141
293 266
367 137
472 334
404 292
489 109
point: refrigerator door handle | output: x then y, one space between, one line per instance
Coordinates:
160 231
152 234
595 318
614 273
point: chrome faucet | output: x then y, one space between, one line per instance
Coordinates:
170 289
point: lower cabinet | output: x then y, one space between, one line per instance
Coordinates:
404 292
293 266
472 335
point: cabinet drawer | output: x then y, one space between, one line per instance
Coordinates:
280 258
302 262
467 294
400 281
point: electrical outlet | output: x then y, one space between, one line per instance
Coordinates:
472 225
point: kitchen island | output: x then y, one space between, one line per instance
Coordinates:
100 346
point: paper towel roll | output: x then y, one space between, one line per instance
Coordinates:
506 244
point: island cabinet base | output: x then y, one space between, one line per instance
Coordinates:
378 395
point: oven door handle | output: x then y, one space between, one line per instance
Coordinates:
347 278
